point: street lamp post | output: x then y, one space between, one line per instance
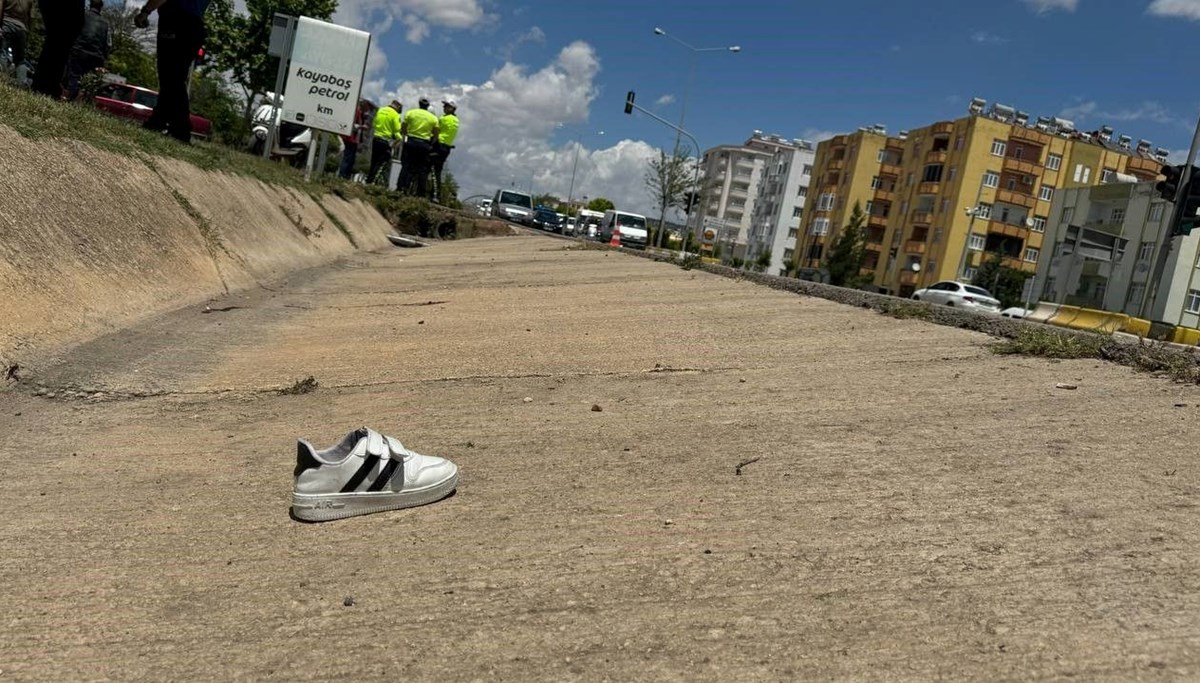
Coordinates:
575 164
693 51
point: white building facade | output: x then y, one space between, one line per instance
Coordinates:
779 205
1102 244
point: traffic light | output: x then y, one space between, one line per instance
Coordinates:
1190 207
629 102
1168 187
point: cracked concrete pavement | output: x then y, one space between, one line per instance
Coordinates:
920 509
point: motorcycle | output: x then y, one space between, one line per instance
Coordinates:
292 139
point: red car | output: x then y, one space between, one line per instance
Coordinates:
134 103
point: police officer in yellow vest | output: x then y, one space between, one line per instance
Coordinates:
387 134
419 129
447 132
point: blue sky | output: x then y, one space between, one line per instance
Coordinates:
806 69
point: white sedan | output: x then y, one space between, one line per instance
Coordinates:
951 293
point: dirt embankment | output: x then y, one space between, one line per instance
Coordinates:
92 241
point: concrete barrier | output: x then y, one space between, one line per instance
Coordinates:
1090 319
1186 336
92 241
1042 312
1137 327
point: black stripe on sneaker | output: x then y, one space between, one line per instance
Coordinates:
385 476
360 476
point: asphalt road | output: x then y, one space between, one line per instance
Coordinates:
909 506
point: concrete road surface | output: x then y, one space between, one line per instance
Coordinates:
920 509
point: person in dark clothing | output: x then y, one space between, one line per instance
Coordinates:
63 21
91 47
180 37
17 18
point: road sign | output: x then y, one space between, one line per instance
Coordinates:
325 75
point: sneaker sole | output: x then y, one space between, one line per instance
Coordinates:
324 507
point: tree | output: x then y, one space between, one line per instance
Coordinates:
237 43
763 261
846 258
546 200
1006 284
600 204
132 53
669 181
448 193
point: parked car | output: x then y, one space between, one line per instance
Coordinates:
513 206
136 103
1015 312
485 207
951 293
630 226
546 219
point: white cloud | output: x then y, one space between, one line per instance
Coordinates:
818 135
1043 6
1184 9
986 38
418 16
1079 111
664 100
1151 111
508 123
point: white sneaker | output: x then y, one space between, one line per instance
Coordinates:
366 472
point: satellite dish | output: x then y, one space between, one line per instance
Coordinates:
1028 222
916 267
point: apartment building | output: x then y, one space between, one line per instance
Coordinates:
731 175
779 205
1100 248
941 199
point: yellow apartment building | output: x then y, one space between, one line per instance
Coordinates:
941 199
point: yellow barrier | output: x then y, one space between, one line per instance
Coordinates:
1042 312
1089 319
1186 335
1136 326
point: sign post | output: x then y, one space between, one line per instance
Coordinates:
324 78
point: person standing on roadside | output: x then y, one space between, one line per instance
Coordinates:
387 136
63 20
91 47
180 37
447 132
419 130
15 27
350 142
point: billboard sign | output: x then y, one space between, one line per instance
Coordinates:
325 76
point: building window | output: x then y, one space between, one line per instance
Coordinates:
788 254
1107 175
876 183
1193 301
931 266
910 179
797 211
1053 162
869 208
984 211
1146 251
792 233
1136 292
820 226
1118 215
977 242
1082 173
998 148
991 179
970 273
958 143
1068 213
904 207
937 235
953 173
802 191
1031 254
945 205
1047 193
825 201
881 156
1018 152
1039 224
1156 212
933 173
807 169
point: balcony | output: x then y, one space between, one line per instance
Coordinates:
1031 134
907 277
922 218
839 140
835 165
915 247
865 271
889 170
943 128
894 143
938 157
875 220
1008 230
929 188
1021 166
1143 166
1017 198
885 196
873 246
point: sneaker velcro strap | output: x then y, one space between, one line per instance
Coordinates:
397 448
375 444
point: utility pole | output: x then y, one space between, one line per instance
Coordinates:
1170 230
629 107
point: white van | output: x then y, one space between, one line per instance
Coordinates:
513 206
631 226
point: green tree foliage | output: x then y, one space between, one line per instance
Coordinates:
1006 284
847 256
448 195
546 200
212 99
132 53
600 204
669 181
237 43
763 261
